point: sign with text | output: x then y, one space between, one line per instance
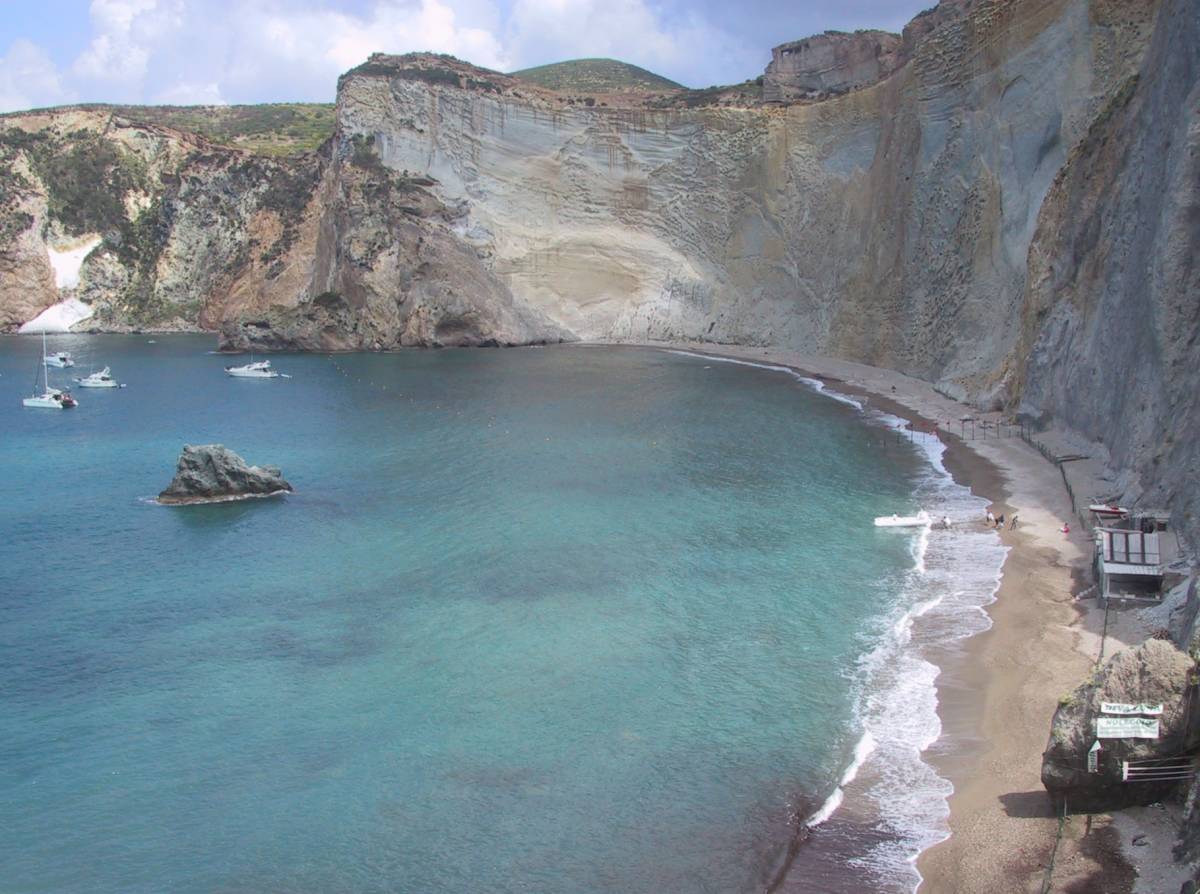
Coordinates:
1126 728
1122 708
1094 757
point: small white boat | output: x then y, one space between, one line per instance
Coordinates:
102 379
1106 510
260 370
60 358
50 398
920 520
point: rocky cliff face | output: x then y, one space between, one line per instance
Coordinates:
830 63
1002 201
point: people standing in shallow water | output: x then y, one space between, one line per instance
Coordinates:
1000 521
1012 525
991 519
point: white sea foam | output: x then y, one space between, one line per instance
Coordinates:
954 577
866 745
815 384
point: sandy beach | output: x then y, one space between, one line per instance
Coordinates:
998 694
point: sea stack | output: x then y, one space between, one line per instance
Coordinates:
211 473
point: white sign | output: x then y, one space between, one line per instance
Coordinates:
1126 728
1094 757
1122 708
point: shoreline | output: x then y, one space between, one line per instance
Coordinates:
997 690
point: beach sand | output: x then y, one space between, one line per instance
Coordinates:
997 694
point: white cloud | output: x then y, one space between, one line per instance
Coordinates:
127 32
191 95
29 78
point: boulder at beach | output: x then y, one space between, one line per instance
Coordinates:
210 473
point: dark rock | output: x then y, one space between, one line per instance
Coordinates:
210 473
1154 672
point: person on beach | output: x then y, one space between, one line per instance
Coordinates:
1012 525
1000 521
991 519
1066 528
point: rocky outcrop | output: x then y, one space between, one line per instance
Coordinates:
210 473
830 63
1153 673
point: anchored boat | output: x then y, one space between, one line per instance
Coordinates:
260 370
50 398
920 520
59 358
102 379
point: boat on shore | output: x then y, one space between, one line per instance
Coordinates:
253 370
1108 510
920 520
102 379
50 398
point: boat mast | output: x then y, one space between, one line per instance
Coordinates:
45 367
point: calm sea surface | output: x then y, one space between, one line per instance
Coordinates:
555 620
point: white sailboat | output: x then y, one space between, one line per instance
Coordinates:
51 398
252 370
102 379
58 358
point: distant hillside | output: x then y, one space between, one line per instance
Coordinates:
277 129
595 76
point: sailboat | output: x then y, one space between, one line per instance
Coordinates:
51 398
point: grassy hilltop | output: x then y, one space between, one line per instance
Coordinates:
595 76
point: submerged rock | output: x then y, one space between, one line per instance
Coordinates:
1153 673
211 473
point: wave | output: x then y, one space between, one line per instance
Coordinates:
815 384
862 751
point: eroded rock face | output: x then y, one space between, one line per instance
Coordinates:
830 63
1154 672
211 473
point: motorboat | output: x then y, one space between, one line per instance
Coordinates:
1108 510
102 379
920 520
260 370
50 398
59 358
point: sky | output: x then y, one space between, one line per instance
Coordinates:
246 51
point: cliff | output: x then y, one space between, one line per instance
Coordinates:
1001 200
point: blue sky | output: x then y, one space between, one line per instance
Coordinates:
235 51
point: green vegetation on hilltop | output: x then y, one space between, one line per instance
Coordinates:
595 76
276 129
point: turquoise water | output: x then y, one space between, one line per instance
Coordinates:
544 620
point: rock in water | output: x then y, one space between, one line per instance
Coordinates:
210 473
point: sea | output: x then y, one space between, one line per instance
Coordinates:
561 620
